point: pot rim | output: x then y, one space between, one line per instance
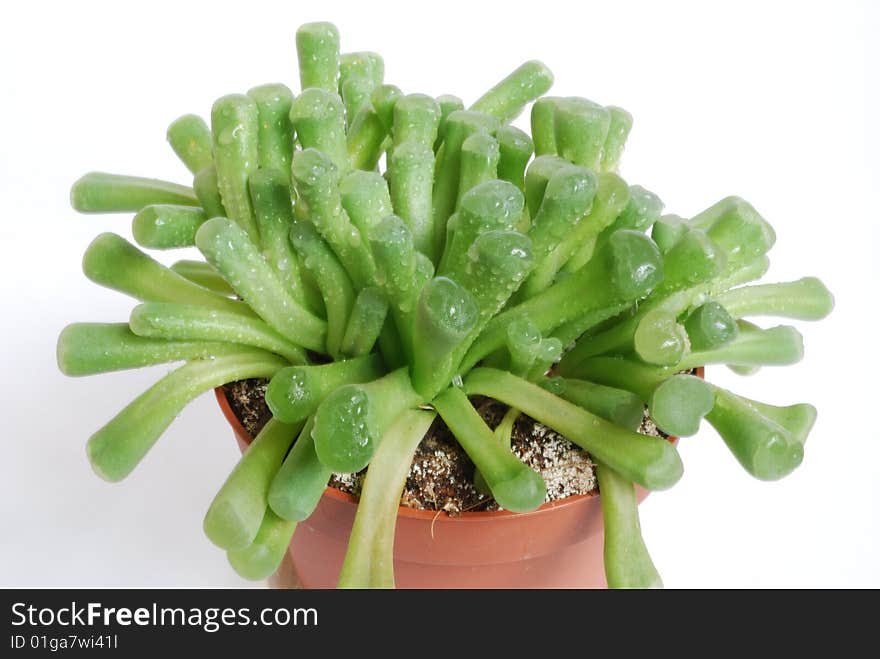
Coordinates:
413 513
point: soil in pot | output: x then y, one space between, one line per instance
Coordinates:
442 476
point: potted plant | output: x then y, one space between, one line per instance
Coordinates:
389 262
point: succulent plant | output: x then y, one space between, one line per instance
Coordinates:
382 257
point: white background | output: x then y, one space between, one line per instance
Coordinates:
770 101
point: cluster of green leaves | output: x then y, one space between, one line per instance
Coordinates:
481 261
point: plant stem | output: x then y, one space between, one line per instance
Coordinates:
618 131
112 261
581 128
366 138
678 404
275 134
181 322
391 346
190 138
503 434
569 332
395 257
458 127
639 378
542 126
523 344
350 422
365 323
710 326
499 262
479 162
650 461
416 119
364 64
366 199
237 511
659 338
506 100
410 173
384 99
369 561
331 278
97 192
618 406
738 230
319 119
316 184
766 449
513 484
445 317
208 192
116 449
564 212
235 126
270 195
226 246
260 559
448 103
777 346
203 274
640 213
538 175
577 246
490 206
627 562
359 75
804 299
672 299
297 487
355 93
797 419
295 392
504 430
668 230
167 226
625 270
515 151
317 48
91 348
695 259
567 198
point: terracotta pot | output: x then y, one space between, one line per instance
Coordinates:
559 545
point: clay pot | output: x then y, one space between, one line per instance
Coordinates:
559 545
